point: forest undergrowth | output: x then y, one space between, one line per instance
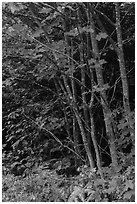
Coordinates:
44 184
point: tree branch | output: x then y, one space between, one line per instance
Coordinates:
53 135
108 19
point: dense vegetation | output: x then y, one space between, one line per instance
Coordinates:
68 101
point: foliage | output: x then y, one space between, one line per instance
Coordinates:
36 188
49 80
114 188
45 185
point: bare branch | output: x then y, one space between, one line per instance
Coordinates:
108 19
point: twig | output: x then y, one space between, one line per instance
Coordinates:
108 19
53 50
53 135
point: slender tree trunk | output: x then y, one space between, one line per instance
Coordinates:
84 101
75 125
87 115
92 127
123 68
82 130
106 110
76 141
64 110
71 67
87 109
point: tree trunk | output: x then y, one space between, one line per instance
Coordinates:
86 110
71 67
92 127
76 141
123 69
81 127
106 110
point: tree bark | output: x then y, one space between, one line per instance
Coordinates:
123 69
106 111
71 67
81 127
86 109
92 127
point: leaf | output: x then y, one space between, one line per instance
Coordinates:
37 56
70 7
12 7
45 10
15 164
99 182
13 115
16 144
27 52
102 61
73 32
99 89
4 4
77 195
129 194
101 36
113 183
42 49
19 130
129 184
7 82
88 29
18 27
110 190
97 65
28 37
10 138
60 45
37 33
123 124
91 61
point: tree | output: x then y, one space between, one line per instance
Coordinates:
123 69
58 69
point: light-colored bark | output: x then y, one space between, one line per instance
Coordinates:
106 111
71 67
123 69
80 123
92 127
